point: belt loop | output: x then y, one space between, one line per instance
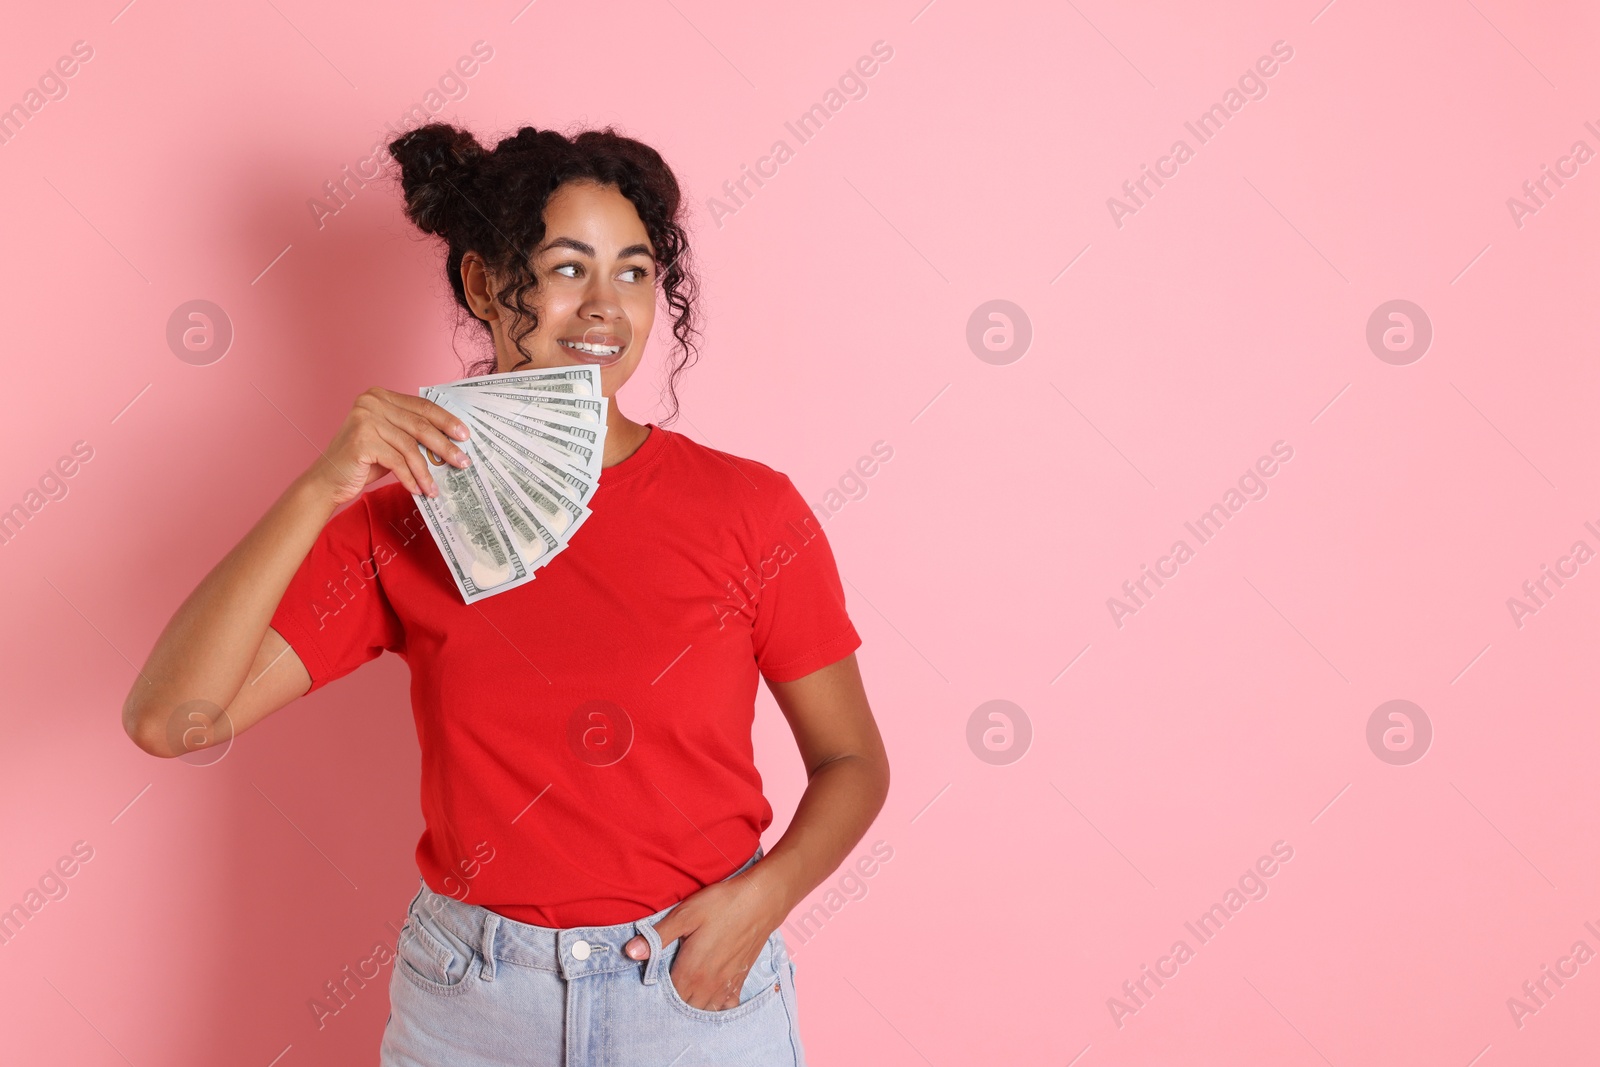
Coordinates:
491 922
646 928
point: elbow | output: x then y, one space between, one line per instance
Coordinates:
168 730
144 723
883 778
870 770
877 758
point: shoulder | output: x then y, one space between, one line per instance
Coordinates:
746 484
390 504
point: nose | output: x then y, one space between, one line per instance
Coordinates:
600 299
599 317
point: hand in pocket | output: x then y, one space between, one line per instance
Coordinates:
723 929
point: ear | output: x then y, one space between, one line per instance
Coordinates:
479 286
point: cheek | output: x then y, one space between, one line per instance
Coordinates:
641 310
555 309
625 367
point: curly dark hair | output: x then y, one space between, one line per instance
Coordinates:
492 201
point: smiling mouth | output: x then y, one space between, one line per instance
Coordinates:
597 353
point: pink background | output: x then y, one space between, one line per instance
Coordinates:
1227 314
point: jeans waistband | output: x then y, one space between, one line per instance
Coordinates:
572 952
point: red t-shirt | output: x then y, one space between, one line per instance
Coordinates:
585 737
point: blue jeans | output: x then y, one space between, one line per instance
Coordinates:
472 988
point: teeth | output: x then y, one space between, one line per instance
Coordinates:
593 350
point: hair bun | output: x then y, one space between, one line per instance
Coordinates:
530 140
437 164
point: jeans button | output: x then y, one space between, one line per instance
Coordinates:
580 950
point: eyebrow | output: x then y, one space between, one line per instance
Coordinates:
588 250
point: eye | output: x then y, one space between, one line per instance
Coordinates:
641 273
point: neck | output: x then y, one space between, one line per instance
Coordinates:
623 436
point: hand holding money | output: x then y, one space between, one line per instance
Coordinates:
382 433
537 439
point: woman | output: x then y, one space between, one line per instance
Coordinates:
593 888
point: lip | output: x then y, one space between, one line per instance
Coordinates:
585 357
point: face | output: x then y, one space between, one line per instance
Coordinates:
596 296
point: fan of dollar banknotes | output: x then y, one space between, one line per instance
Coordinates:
536 439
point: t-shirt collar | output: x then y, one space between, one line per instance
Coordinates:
644 456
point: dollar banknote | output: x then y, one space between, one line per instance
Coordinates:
536 444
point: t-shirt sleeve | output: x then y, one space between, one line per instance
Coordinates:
334 614
800 621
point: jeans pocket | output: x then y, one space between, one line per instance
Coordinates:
762 983
432 958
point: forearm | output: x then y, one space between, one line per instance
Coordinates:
840 802
207 648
